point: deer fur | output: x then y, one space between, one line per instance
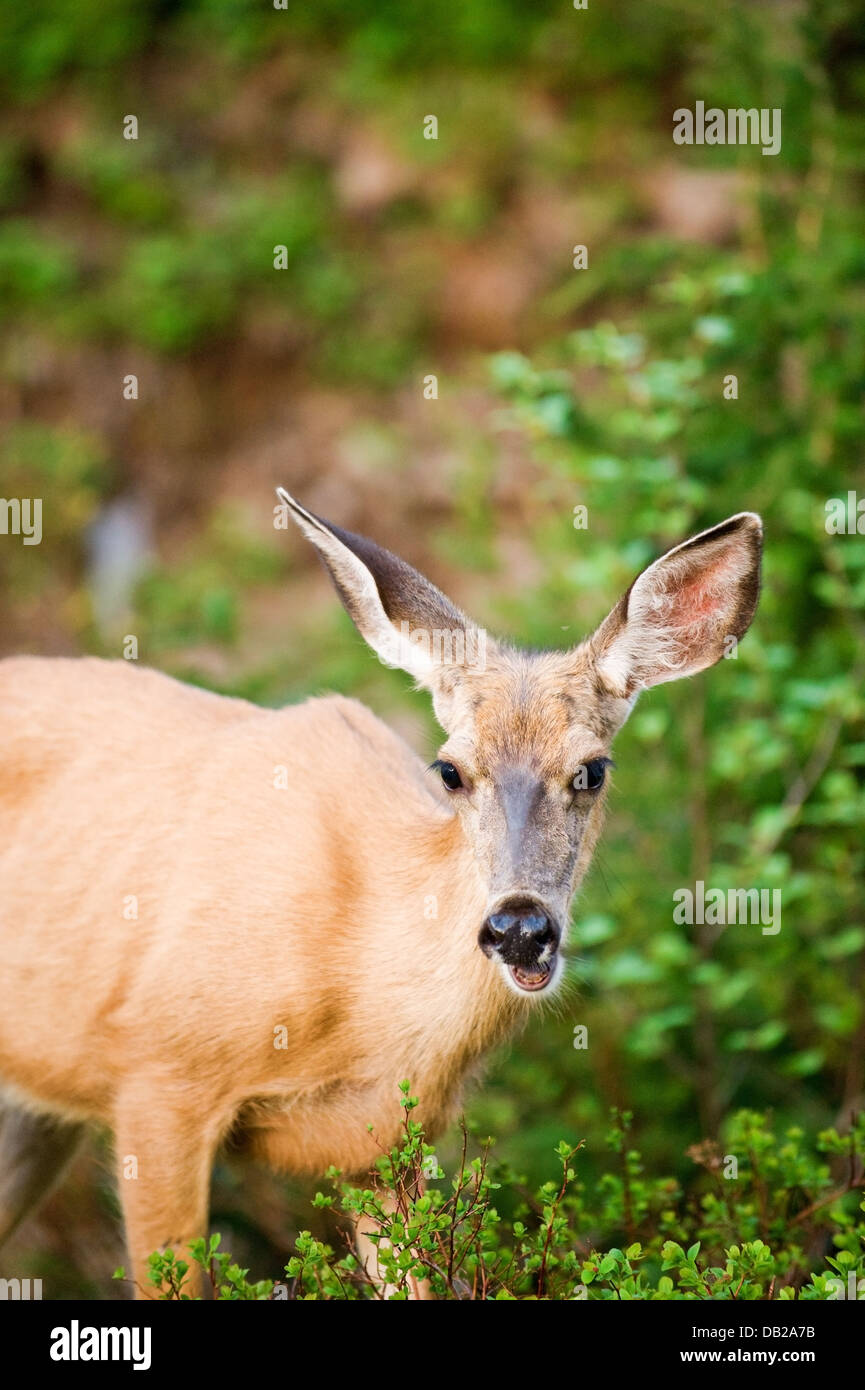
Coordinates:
194 944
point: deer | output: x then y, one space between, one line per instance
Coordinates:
226 922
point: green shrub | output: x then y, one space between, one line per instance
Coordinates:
765 1217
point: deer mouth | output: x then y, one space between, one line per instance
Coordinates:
532 977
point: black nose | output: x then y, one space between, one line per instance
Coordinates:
535 924
519 932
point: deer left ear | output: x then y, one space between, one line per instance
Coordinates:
679 615
406 620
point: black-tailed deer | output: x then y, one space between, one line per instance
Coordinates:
218 918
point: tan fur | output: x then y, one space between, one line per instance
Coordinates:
305 908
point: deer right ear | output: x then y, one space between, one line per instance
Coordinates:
679 615
399 613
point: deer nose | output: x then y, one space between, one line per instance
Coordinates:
533 924
524 929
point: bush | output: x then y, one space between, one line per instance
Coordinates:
765 1218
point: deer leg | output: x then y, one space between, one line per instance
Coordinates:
367 1253
164 1157
34 1150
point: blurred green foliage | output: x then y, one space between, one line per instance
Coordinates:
612 395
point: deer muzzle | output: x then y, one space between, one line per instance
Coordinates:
523 936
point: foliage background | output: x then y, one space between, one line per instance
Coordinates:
557 387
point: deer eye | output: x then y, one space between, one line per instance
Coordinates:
449 775
590 777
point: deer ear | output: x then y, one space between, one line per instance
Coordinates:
400 614
679 615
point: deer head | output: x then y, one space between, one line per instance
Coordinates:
527 751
